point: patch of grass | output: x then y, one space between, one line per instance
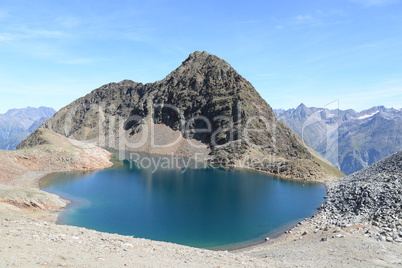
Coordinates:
332 170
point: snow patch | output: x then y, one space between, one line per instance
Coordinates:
366 116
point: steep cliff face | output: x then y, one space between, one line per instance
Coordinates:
202 106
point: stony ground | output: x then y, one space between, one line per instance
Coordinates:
30 238
313 243
358 226
26 242
372 196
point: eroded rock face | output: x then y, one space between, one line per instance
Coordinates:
207 101
32 199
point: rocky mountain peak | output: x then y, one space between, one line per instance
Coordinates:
202 66
204 58
301 106
301 111
205 101
198 55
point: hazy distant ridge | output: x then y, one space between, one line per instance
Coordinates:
360 139
17 124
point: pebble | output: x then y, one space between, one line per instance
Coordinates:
338 236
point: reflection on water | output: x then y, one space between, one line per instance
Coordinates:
62 178
205 207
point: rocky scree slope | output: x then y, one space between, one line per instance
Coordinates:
372 196
203 90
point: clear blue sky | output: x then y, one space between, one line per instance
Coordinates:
315 52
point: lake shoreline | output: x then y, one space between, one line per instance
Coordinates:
75 246
229 247
249 245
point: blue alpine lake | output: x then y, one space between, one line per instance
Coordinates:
214 208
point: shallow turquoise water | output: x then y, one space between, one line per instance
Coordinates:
206 208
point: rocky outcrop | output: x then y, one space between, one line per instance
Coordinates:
372 197
54 153
208 103
36 138
30 199
20 170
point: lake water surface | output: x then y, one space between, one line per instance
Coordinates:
205 208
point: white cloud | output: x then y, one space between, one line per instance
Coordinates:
371 3
26 33
304 18
265 75
389 97
247 22
375 94
69 21
138 35
35 33
79 61
3 14
386 94
6 37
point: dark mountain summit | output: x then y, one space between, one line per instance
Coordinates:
204 106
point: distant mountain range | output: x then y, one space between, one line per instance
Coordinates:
17 124
350 140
